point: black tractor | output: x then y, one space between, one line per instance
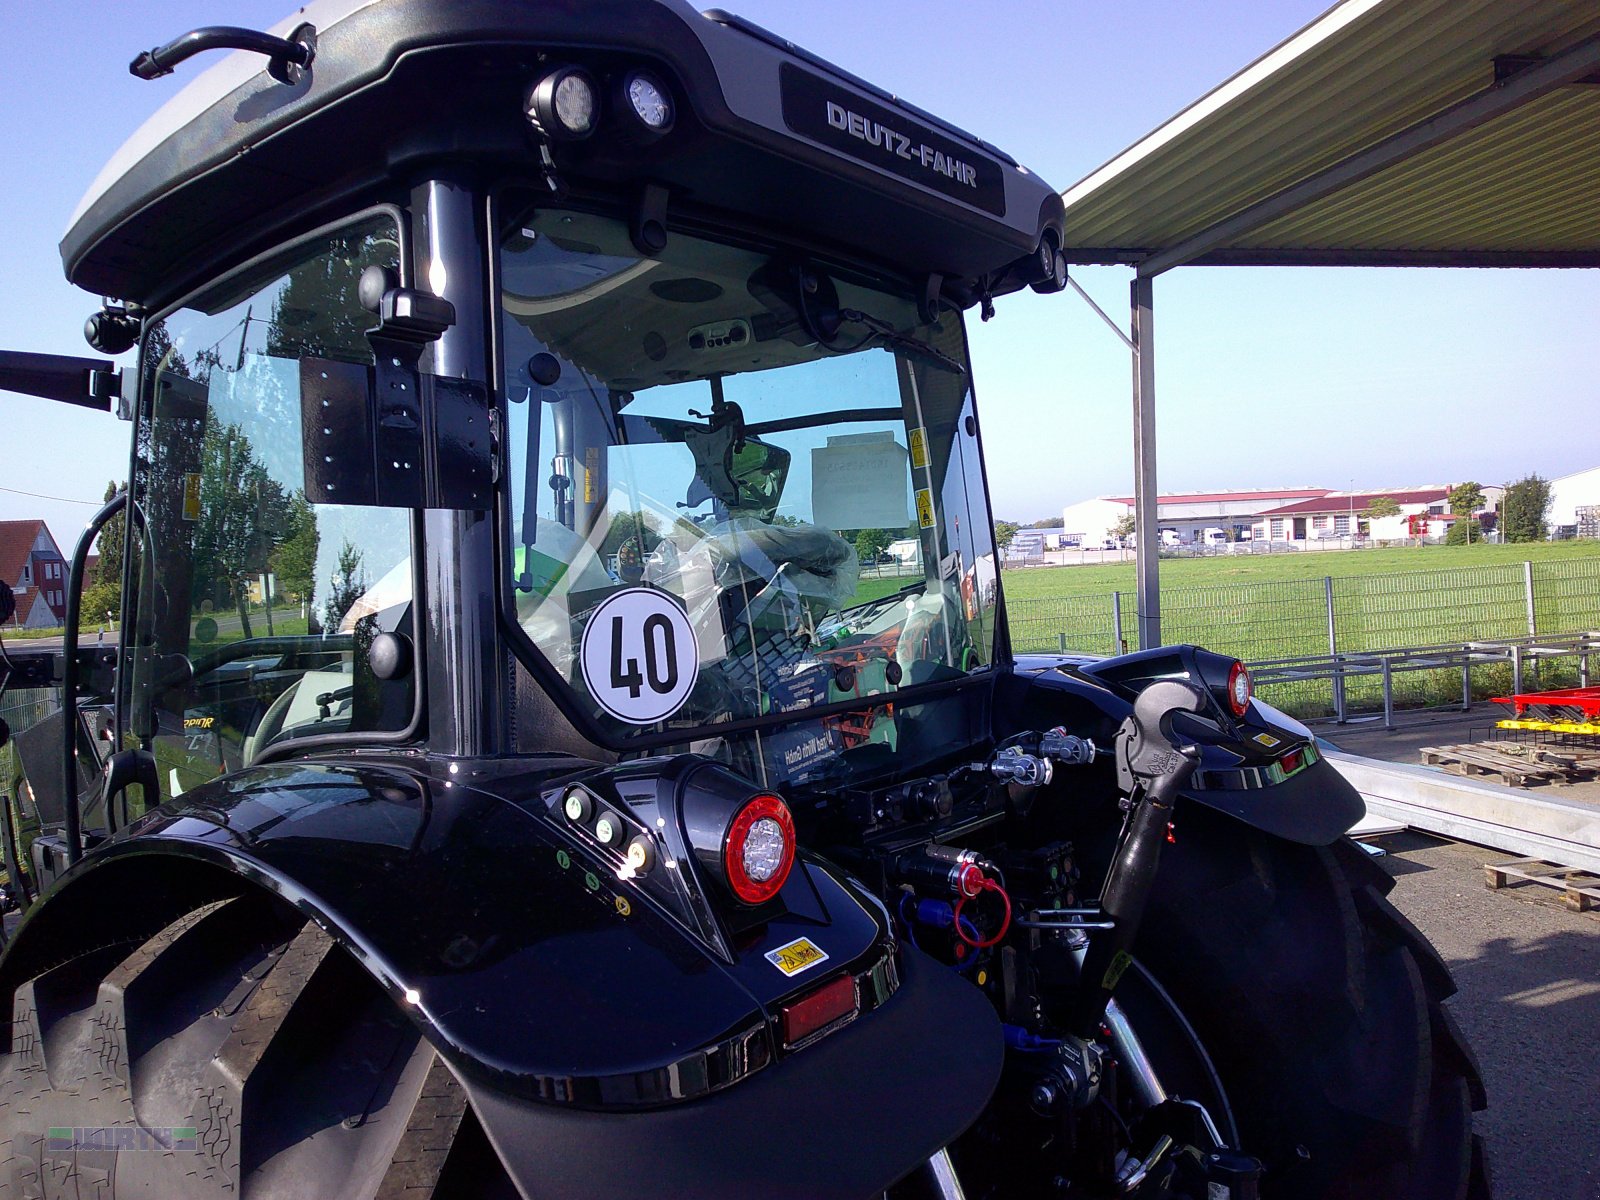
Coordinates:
563 737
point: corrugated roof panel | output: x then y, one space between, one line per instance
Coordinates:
1358 74
1489 190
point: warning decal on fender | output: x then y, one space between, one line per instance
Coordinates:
640 656
799 955
1120 962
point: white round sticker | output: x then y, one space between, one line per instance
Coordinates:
640 656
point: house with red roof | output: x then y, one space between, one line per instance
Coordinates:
1335 516
32 563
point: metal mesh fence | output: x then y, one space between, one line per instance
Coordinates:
1430 608
20 708
1350 614
1067 623
1566 595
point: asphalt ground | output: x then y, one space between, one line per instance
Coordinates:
1413 730
1528 970
1529 1003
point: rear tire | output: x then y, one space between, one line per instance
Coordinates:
1321 1006
239 1051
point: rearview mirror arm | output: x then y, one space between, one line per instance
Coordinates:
86 382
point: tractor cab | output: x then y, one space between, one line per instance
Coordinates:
524 395
563 391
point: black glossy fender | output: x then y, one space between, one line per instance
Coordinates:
540 976
842 1119
1312 804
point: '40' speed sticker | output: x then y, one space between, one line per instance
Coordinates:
640 656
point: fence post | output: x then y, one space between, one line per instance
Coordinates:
1333 651
1388 696
1116 623
1527 585
1061 641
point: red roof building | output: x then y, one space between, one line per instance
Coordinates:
31 562
1337 516
1255 497
1346 502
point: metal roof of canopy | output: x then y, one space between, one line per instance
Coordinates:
1385 133
1377 135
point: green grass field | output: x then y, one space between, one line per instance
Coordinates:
1031 583
1261 607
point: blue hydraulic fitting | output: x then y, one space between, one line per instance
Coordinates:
1018 1038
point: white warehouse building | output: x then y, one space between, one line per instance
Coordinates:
1575 504
1186 514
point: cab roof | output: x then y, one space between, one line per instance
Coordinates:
768 136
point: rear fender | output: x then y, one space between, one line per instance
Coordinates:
597 1037
1263 768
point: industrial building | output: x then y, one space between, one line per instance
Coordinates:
1188 515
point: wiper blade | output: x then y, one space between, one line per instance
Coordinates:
910 346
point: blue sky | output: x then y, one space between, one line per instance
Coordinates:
1265 376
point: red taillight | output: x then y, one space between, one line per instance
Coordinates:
1240 689
759 849
1291 762
817 1010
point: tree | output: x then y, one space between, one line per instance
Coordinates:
1523 509
870 543
1004 531
102 593
294 561
349 582
1381 507
1044 523
642 526
1465 500
241 510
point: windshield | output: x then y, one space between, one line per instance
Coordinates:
254 602
742 485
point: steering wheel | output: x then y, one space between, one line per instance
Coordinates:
271 724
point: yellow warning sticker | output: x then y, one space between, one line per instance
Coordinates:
919 448
925 508
799 955
191 497
591 468
1120 962
1266 739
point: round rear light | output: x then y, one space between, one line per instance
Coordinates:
1240 689
649 101
564 104
759 850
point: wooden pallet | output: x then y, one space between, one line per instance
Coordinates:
1514 764
1580 890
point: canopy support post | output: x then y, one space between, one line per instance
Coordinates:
1146 528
